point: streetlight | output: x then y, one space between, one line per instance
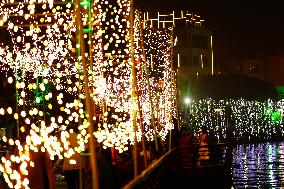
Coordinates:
187 100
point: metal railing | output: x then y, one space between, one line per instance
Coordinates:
154 174
218 155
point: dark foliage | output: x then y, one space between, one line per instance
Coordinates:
235 86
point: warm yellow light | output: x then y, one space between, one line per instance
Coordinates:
22 129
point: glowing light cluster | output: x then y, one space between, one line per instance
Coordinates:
41 38
158 47
43 63
111 75
42 57
245 120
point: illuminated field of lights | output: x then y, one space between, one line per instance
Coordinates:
43 64
247 120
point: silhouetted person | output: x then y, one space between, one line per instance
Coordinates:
185 147
174 136
215 150
185 140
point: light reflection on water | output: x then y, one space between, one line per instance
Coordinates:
258 166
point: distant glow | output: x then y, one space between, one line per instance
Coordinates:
187 100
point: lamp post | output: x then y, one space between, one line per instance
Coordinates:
187 101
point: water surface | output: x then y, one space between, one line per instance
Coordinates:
258 166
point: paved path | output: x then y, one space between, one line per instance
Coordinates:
201 178
61 185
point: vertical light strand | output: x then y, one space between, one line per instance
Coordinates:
212 55
134 88
171 86
144 58
92 144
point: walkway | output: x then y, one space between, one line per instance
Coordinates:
199 178
179 168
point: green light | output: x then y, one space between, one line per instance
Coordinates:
275 116
86 30
268 112
85 154
84 3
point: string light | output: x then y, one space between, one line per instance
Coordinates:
43 63
247 120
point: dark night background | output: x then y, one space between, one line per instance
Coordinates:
241 28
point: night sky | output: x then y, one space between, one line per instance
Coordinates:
241 28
